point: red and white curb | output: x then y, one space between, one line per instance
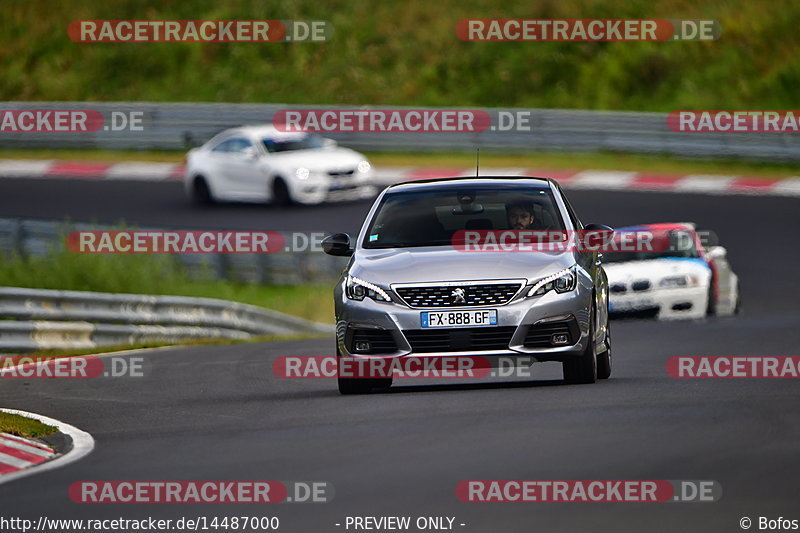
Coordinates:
17 453
22 457
573 179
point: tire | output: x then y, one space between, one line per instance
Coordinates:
604 359
201 193
280 193
349 386
583 369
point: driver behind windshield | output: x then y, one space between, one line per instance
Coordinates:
520 215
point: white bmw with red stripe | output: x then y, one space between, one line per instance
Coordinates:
676 277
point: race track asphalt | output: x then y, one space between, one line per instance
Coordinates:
219 413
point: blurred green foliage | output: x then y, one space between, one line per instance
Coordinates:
407 53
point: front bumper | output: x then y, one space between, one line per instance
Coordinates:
401 322
665 304
320 188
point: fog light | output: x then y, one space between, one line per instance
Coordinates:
362 346
559 339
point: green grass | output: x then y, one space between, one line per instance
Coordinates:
160 275
23 427
110 156
407 53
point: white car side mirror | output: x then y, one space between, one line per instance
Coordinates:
330 143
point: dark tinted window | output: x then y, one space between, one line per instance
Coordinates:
430 218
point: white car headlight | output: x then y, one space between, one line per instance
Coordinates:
671 282
302 173
357 289
564 281
364 166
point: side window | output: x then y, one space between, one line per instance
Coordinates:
239 145
236 145
224 146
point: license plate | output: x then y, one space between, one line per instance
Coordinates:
633 305
457 319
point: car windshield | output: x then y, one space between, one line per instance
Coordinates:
306 142
669 244
431 218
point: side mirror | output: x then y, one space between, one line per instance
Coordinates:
337 244
716 252
250 153
598 234
329 143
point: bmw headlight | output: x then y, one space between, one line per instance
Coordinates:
357 289
673 282
564 281
363 166
302 173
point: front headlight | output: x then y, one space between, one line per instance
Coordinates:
357 289
563 281
302 173
363 166
672 282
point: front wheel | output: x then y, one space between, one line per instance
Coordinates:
201 192
583 369
349 385
280 193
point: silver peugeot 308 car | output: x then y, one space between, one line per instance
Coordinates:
413 288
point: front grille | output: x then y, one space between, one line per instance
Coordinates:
641 285
341 173
380 340
541 335
459 339
446 295
618 288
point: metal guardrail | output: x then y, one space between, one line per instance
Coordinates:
40 238
49 319
175 126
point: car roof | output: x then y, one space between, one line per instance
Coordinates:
482 181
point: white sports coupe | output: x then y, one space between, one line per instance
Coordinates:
682 279
263 164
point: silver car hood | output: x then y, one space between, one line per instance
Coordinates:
443 263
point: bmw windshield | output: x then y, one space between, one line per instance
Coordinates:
670 244
305 142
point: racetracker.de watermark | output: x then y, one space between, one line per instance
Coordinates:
382 120
558 241
733 367
734 121
207 491
583 30
69 121
587 491
192 242
77 367
199 31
